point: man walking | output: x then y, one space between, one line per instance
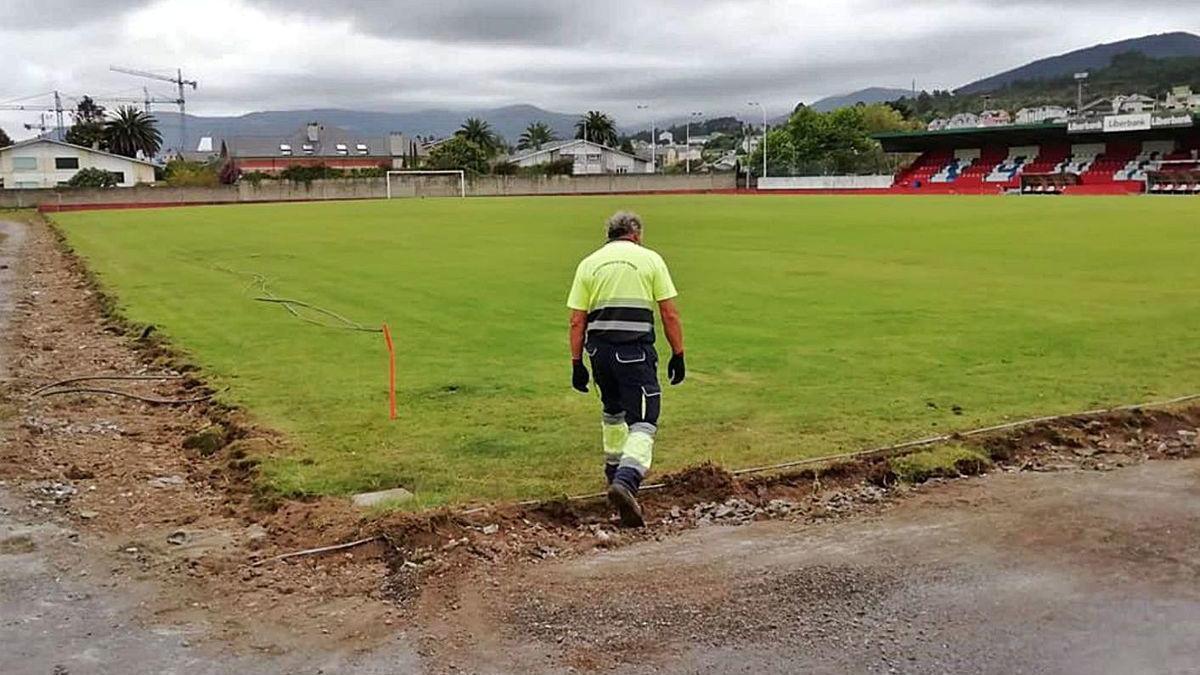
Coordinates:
612 316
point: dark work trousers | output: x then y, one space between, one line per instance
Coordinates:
627 376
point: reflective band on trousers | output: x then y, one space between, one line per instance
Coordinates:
638 450
614 431
632 326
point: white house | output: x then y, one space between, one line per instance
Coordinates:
589 158
964 121
47 163
1134 103
678 153
995 118
1182 98
1041 114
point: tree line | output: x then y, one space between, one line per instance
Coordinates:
477 148
836 142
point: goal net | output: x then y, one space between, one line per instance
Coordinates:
444 183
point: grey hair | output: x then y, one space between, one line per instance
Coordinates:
623 224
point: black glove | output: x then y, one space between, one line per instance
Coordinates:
579 376
676 370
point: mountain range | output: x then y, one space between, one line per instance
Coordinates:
1163 46
510 121
869 95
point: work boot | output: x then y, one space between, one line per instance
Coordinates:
610 473
623 500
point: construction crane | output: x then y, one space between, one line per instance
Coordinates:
40 126
57 109
179 82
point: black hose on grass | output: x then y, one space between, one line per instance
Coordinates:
266 295
348 324
125 394
92 378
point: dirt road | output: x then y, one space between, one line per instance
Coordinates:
1067 571
1021 573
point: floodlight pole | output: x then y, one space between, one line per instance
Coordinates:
764 141
653 145
689 139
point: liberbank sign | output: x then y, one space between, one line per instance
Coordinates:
1133 122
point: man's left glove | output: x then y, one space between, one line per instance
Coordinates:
579 376
676 370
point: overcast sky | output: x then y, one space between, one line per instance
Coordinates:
676 56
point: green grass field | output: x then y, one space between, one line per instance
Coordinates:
815 325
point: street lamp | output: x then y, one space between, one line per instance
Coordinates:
653 142
764 140
689 139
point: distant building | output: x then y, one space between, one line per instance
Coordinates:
47 163
316 144
1134 103
1119 105
588 158
995 118
1182 98
727 162
1042 114
678 153
963 121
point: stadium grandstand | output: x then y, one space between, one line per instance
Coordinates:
1155 152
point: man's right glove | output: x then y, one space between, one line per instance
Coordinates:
579 376
676 370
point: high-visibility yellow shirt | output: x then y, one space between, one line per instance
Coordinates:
618 286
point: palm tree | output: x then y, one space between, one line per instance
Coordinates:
597 127
130 131
535 136
480 133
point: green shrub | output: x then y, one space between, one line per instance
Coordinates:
307 174
182 173
459 153
505 169
559 167
255 178
92 177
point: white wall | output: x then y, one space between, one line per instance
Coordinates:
47 176
825 183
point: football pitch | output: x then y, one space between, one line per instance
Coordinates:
815 325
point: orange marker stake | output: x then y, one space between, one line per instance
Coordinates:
387 337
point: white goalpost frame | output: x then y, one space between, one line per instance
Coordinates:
462 178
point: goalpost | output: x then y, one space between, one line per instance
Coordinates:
462 178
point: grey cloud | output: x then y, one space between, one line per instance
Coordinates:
528 22
787 79
61 15
676 55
